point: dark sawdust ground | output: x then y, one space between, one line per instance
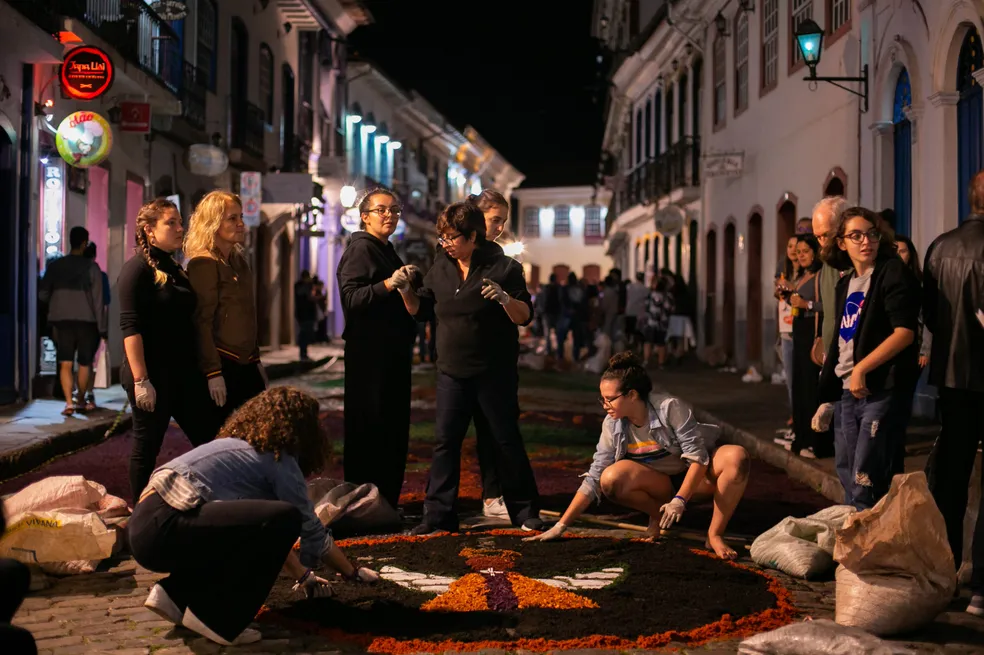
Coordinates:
666 587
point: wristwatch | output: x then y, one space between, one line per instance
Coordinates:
809 305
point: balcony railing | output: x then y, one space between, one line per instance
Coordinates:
247 134
677 168
129 26
194 87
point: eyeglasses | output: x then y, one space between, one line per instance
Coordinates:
873 235
395 210
448 240
605 402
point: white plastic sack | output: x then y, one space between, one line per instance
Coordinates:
361 506
61 519
896 570
821 637
802 548
598 362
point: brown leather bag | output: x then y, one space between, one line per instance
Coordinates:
817 355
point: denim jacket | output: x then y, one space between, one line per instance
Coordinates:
231 469
671 424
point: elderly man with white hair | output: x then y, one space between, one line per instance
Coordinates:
825 214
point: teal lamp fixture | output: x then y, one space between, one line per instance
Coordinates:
809 40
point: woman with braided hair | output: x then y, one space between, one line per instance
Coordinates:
160 370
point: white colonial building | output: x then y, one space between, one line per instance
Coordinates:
771 144
562 230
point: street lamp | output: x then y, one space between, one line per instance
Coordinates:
809 40
346 196
395 145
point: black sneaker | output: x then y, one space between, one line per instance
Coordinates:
425 529
533 525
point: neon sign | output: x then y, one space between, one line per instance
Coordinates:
84 139
87 73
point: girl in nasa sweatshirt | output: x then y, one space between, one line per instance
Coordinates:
870 371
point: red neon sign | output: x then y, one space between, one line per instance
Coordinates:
87 73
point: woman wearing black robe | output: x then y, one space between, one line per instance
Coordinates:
379 339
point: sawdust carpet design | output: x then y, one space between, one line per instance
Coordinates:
480 590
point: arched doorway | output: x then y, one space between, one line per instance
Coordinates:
785 227
753 342
239 89
969 108
286 289
835 187
288 137
902 144
728 309
710 311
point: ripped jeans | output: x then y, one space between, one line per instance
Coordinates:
865 437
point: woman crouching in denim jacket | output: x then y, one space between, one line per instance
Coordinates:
870 372
654 457
222 520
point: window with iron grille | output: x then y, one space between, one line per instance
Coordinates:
720 81
531 222
207 40
838 14
593 229
266 82
799 10
741 62
770 44
638 135
562 221
682 107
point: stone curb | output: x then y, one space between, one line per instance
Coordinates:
19 462
797 468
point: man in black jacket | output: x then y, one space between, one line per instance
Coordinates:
953 288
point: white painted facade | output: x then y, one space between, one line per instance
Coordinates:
793 144
548 245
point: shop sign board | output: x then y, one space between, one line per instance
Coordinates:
86 73
251 193
84 139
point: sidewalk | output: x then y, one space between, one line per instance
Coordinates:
751 413
36 432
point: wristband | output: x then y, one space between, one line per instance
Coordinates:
307 574
139 380
681 498
355 575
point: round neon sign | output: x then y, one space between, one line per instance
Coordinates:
84 139
87 73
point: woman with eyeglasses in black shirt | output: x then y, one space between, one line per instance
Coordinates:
379 338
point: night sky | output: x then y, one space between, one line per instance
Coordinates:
522 72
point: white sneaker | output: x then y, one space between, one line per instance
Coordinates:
495 508
161 604
193 623
784 440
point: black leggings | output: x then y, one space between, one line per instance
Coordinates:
15 580
187 401
222 557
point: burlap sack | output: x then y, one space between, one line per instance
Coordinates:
896 570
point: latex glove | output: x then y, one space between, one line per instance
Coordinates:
553 533
823 417
400 279
217 389
672 512
144 395
492 291
313 586
263 374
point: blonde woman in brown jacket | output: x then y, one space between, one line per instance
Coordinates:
225 316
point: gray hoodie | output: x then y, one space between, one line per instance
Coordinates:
72 287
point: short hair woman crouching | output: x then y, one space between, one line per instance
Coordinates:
160 353
246 487
654 457
229 353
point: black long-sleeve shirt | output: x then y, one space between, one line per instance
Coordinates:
474 334
163 315
371 312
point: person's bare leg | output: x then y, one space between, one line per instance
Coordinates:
661 355
647 352
637 486
67 380
729 470
84 373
